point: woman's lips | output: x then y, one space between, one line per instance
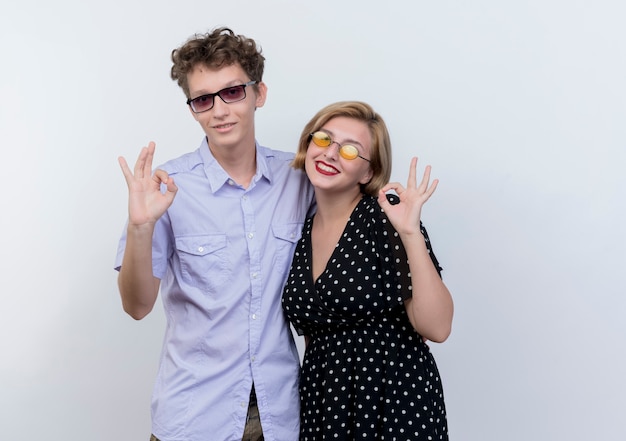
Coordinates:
325 169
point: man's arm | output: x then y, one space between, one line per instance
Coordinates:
138 287
146 204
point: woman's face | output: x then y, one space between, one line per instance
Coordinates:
327 169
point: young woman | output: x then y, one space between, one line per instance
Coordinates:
365 288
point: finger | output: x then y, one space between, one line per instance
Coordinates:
425 179
432 188
143 166
411 181
171 190
140 164
128 175
171 187
147 170
391 186
382 200
160 176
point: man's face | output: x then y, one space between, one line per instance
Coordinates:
228 127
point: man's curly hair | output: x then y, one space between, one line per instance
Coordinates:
215 49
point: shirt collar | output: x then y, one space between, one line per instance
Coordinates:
218 177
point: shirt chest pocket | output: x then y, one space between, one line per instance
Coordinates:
286 236
203 259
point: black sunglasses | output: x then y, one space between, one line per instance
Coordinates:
229 95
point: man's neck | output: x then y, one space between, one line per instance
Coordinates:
239 163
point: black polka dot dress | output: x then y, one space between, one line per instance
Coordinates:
366 374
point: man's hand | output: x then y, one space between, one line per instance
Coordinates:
146 202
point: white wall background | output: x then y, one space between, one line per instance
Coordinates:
519 106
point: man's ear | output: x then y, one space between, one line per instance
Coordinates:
261 94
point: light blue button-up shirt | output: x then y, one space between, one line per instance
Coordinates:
223 253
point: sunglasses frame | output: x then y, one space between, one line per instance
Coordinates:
190 101
342 152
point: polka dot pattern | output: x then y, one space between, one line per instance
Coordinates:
366 374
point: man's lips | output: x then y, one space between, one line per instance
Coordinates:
223 127
325 169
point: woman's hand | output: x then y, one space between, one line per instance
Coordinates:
405 215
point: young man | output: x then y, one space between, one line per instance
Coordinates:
215 231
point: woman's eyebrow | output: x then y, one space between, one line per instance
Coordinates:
345 141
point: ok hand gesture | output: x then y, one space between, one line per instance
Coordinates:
146 202
405 216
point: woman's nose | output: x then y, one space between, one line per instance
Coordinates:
332 152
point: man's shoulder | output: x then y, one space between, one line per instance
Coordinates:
185 162
277 164
276 155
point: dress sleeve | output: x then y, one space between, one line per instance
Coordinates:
397 256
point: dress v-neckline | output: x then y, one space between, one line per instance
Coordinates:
337 244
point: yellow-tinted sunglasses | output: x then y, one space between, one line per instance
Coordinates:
347 151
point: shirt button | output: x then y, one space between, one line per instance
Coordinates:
200 249
250 235
253 316
231 182
243 404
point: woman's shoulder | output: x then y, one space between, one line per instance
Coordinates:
369 204
370 213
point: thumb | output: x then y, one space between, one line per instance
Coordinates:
171 186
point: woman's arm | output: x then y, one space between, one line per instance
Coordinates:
430 309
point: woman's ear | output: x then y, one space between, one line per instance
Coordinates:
367 177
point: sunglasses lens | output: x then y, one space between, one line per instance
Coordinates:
233 94
348 151
321 139
202 103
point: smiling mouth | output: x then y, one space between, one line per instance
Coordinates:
224 126
326 169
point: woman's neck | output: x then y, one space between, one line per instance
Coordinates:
333 207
